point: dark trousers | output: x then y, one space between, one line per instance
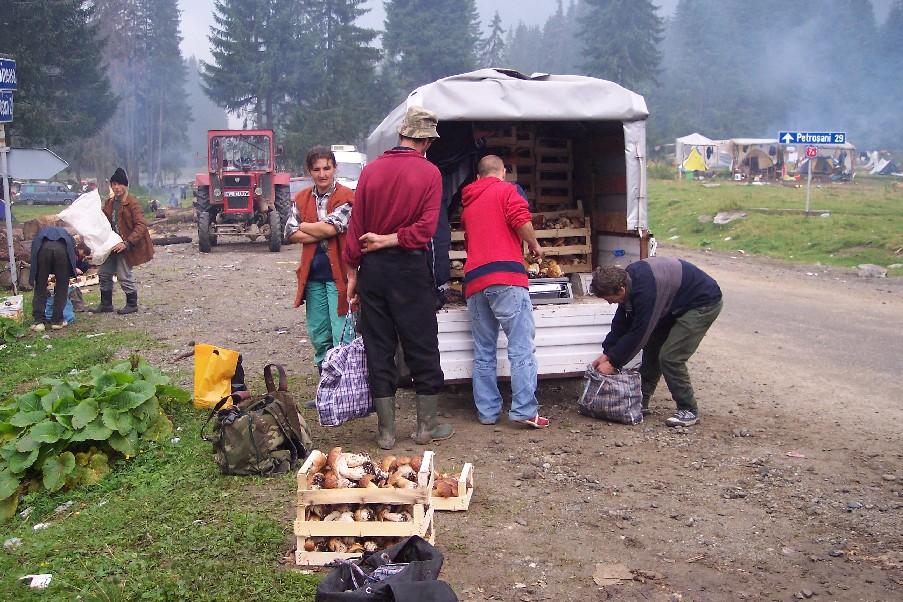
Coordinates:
398 303
667 351
52 259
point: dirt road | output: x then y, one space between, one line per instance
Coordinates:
802 360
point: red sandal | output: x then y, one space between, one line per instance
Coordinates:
537 422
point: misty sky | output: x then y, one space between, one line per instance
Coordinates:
197 16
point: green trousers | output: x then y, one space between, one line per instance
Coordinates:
667 351
324 324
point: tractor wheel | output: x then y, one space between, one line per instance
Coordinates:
204 242
283 205
275 231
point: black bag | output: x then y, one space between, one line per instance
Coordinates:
413 566
259 435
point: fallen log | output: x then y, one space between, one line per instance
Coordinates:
170 240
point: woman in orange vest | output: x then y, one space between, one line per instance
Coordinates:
319 220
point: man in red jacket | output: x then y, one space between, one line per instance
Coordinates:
496 220
396 209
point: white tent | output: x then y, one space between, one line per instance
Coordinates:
505 95
684 146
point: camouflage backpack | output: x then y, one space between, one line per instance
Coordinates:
259 435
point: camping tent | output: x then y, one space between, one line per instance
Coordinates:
694 161
756 156
683 146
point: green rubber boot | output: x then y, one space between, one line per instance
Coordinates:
428 428
385 413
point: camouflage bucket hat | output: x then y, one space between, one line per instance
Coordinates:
419 123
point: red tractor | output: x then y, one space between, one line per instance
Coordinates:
241 194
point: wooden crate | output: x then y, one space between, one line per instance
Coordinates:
585 233
511 136
462 500
418 499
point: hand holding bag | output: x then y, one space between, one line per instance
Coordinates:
614 397
344 390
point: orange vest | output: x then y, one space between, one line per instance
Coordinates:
307 212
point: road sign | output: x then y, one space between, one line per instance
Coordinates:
812 137
8 75
6 107
34 164
811 151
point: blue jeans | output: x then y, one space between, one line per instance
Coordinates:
510 308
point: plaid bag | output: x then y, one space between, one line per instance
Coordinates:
344 390
615 397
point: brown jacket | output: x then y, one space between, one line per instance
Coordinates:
132 229
307 211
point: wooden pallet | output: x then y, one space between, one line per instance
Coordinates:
418 500
461 501
512 136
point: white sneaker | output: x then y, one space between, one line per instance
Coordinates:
38 327
59 326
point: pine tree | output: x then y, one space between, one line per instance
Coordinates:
492 49
426 40
620 40
255 46
334 95
525 48
63 95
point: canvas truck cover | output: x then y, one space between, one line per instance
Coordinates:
506 95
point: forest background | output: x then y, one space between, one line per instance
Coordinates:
105 83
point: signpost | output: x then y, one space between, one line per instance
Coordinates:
8 83
813 139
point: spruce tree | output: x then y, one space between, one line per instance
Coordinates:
620 41
425 40
334 94
63 94
525 49
492 49
255 46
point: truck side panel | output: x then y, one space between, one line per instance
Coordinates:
568 338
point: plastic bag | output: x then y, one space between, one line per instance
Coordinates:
614 397
213 371
88 219
344 390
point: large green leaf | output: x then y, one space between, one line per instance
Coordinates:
55 470
173 392
20 461
110 418
27 443
159 428
28 417
152 375
127 445
60 394
28 402
48 431
133 396
8 484
8 507
84 413
96 431
146 413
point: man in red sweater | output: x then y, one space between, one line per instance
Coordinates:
496 220
396 209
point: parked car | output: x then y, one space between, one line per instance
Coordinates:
45 193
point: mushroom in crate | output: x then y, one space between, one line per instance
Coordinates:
453 491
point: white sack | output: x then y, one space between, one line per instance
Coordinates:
87 218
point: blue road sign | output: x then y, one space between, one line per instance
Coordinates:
812 137
8 75
6 107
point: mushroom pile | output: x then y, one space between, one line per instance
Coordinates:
348 545
339 470
541 222
446 484
547 268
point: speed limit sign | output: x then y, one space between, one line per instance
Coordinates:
811 151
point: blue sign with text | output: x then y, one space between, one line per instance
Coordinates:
812 137
8 75
6 107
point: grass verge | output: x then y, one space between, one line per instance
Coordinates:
164 525
865 223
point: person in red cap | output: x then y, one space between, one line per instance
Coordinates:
127 220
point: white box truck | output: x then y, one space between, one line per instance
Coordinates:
605 125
